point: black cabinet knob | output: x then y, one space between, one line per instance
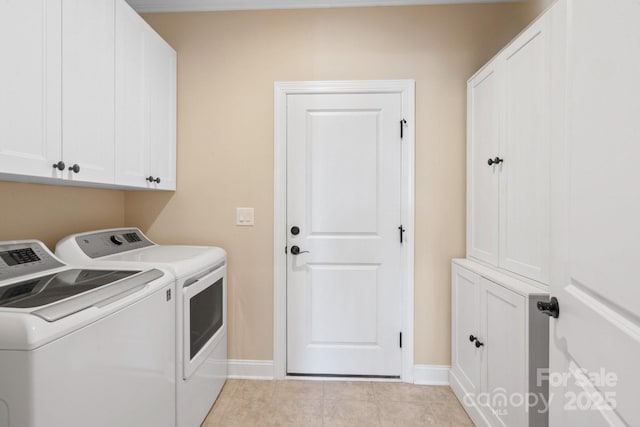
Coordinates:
551 308
472 338
75 168
478 343
60 165
495 161
152 179
295 230
157 180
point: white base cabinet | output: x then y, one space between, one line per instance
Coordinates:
64 85
499 347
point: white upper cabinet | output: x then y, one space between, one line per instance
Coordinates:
30 88
132 130
161 98
509 124
88 54
89 98
145 104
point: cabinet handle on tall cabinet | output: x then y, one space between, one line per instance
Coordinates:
495 161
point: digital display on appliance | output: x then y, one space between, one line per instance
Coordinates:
19 256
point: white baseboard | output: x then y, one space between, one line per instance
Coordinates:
431 374
250 369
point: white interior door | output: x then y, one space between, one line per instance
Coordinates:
344 290
596 238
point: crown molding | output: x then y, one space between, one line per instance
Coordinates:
144 6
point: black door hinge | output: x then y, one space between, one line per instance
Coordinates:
402 230
400 339
403 123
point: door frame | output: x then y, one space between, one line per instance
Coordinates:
406 88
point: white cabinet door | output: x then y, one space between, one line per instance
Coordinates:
524 180
504 344
88 41
132 130
482 178
145 140
467 359
30 134
161 89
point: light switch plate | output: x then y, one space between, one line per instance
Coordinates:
244 216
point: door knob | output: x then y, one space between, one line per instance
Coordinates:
75 168
295 230
495 161
295 250
551 308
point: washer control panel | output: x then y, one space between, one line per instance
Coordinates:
104 243
24 258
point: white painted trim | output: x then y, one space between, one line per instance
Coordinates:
143 6
281 89
469 404
250 369
431 374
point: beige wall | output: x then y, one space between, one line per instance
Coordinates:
535 7
227 64
49 212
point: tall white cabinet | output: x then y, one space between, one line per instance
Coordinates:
509 122
500 341
87 96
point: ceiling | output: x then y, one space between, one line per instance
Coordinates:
208 5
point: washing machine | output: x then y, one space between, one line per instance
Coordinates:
84 346
201 306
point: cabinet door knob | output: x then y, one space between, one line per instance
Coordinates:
60 165
478 343
472 338
495 161
75 168
157 180
152 179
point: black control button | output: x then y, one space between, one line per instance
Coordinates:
114 239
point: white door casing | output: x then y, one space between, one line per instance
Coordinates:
345 250
595 227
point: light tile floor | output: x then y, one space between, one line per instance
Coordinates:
244 403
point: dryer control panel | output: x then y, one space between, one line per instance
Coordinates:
22 258
110 242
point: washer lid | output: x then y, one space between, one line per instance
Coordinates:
44 290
